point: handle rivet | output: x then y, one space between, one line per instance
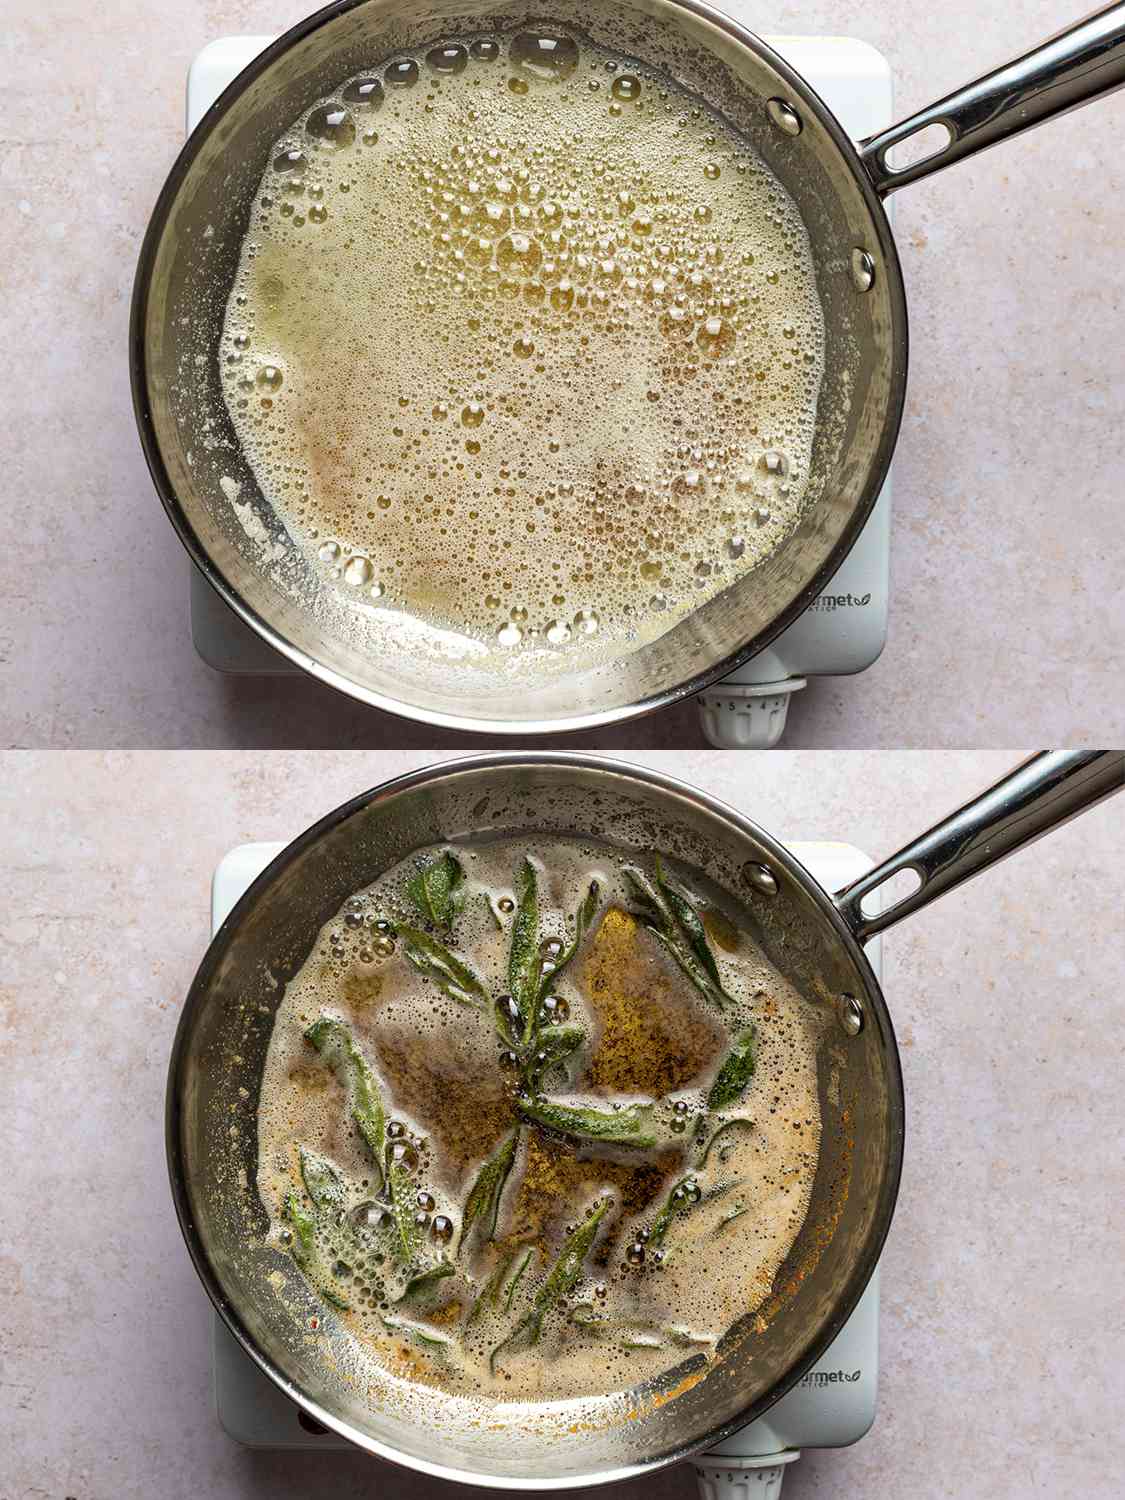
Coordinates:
784 116
762 879
849 1012
863 271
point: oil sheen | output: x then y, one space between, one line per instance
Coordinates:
525 348
691 1226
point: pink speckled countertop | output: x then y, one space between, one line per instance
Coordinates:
1009 610
1003 1303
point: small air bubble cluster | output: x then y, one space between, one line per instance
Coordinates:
595 323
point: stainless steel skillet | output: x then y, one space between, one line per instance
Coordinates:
191 250
813 937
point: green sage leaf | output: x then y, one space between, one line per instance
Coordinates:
727 1127
524 964
402 1194
582 919
553 1045
674 922
631 1125
450 973
323 1182
510 1292
414 1333
563 1278
336 1045
489 1294
691 926
736 1072
425 1281
303 1241
437 889
483 1202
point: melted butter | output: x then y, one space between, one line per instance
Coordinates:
535 368
648 1034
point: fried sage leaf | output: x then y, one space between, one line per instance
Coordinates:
683 1197
415 1334
450 973
735 1073
489 1294
323 1183
631 1125
582 919
691 926
727 1127
402 1195
634 1334
513 1285
426 1280
554 1044
336 1045
735 1213
686 1195
483 1202
303 1241
674 922
438 889
563 1278
524 963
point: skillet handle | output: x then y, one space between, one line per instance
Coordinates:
1071 69
1040 794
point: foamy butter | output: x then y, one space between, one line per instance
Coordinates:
526 344
642 1300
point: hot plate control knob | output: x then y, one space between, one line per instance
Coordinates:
747 715
742 1478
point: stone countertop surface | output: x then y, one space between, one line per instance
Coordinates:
1003 1304
1008 615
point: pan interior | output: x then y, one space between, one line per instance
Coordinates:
213 1122
191 263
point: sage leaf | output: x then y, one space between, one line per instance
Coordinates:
336 1045
691 926
334 1298
509 1021
727 1127
674 922
686 1195
553 1045
631 1125
425 1281
563 1278
634 1335
735 1213
402 1194
489 1294
414 1333
582 919
323 1183
524 964
736 1072
528 1257
483 1202
303 1241
437 889
451 975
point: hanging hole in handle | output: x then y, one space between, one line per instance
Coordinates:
888 893
919 145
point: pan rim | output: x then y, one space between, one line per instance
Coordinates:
466 723
470 765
